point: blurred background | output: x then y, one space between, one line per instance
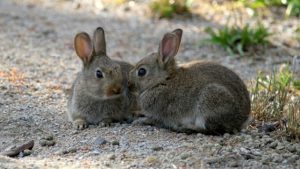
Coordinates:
258 39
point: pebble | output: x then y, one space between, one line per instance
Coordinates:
273 145
267 128
291 148
115 142
27 152
49 137
157 148
48 143
112 157
99 141
184 156
292 159
151 160
277 158
265 159
70 150
233 164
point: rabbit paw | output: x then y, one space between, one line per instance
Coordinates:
144 121
80 124
106 123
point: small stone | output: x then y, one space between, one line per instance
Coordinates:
72 150
233 164
280 147
151 160
115 142
265 159
226 135
92 126
47 142
112 157
157 148
292 159
49 137
277 159
100 141
268 140
291 148
184 156
74 132
267 128
265 167
107 164
67 151
273 144
27 152
256 152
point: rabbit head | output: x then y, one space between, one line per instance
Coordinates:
102 77
159 66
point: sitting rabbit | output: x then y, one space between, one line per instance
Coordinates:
195 97
100 92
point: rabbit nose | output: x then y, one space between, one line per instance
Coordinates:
114 90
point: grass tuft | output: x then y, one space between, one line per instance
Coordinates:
236 40
273 99
167 8
292 6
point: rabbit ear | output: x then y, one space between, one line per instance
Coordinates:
99 41
178 33
83 46
169 46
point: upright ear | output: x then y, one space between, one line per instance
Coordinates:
83 46
169 46
178 33
99 41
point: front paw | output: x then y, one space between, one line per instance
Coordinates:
144 121
80 124
106 122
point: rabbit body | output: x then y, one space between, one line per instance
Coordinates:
195 97
100 92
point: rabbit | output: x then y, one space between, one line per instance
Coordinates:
194 97
100 92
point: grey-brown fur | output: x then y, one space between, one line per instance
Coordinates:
96 100
195 97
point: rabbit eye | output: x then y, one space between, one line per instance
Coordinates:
142 72
99 74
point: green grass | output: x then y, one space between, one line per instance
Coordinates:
167 8
273 99
298 34
238 40
292 6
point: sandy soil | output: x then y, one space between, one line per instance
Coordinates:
38 62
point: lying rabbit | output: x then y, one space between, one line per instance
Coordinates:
195 97
100 92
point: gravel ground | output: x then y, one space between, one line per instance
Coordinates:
38 63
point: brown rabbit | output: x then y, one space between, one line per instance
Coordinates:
100 92
195 97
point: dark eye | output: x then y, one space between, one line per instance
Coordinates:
99 74
142 72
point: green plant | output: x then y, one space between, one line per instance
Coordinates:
298 34
167 8
292 6
272 100
239 40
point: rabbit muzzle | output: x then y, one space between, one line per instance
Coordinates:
114 90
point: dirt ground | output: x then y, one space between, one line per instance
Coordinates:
38 62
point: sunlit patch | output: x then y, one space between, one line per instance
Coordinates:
13 76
